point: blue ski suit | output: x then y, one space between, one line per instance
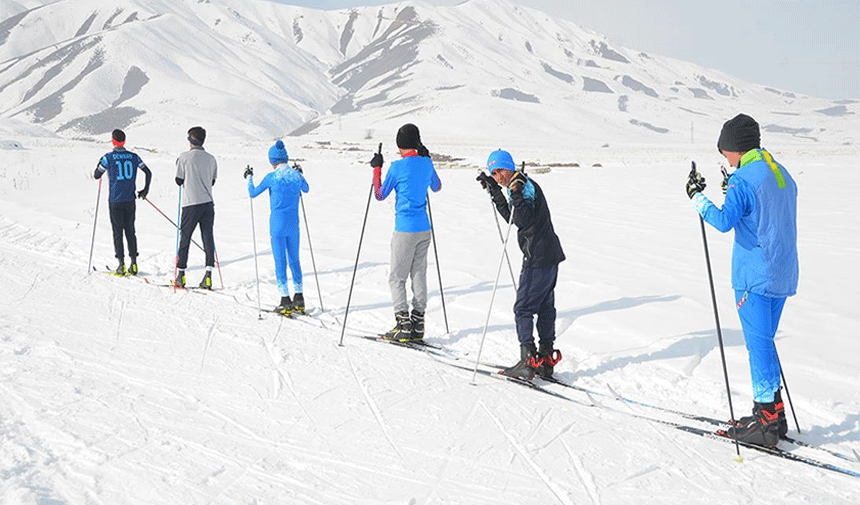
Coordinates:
285 185
761 206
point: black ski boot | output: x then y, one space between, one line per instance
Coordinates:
132 269
206 282
762 428
417 319
527 366
180 279
120 270
779 406
780 413
548 358
299 304
285 308
402 331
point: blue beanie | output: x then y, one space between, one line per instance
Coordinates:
500 159
278 153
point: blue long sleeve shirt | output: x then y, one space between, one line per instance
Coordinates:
409 177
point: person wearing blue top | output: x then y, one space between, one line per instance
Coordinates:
121 167
285 185
542 253
761 206
409 177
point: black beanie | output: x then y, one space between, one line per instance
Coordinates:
739 135
118 135
408 137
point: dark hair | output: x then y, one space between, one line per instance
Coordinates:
118 135
422 151
197 133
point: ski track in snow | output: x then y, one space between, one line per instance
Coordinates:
559 494
585 477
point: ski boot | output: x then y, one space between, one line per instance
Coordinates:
402 331
299 303
180 279
417 319
761 428
779 406
206 282
120 270
548 358
285 308
527 366
780 413
132 269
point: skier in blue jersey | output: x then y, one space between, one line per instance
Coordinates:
542 254
409 177
761 206
285 185
121 167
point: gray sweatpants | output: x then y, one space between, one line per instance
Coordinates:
409 260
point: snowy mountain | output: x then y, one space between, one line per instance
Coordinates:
124 391
258 69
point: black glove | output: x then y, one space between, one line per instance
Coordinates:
725 183
142 193
248 171
377 160
695 183
488 183
298 167
518 181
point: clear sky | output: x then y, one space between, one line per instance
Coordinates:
807 46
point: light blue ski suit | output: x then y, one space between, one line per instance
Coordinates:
285 185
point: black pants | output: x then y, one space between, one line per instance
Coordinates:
536 295
122 220
204 215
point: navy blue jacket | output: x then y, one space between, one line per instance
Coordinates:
535 234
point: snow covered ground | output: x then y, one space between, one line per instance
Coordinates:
115 391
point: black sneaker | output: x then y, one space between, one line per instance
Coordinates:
180 279
206 282
762 428
299 304
417 319
527 366
285 307
548 358
402 331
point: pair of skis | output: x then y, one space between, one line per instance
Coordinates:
445 356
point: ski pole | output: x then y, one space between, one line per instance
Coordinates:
218 264
787 394
438 267
178 220
171 221
311 247
717 320
95 218
256 268
357 254
493 297
502 238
